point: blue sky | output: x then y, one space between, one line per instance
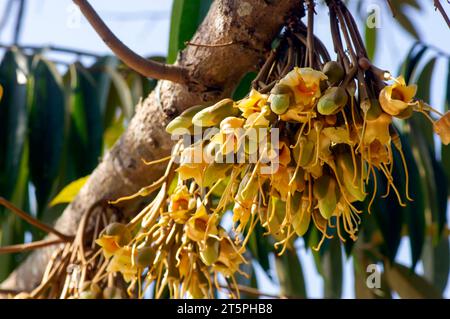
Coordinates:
144 26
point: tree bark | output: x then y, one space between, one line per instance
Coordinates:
250 25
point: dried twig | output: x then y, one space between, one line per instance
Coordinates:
51 48
215 45
439 7
19 21
33 221
30 246
141 65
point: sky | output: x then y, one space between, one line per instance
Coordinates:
144 27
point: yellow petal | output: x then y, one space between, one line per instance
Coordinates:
442 128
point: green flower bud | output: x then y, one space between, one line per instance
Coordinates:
334 71
213 115
332 101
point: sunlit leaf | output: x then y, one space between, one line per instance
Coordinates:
290 275
68 193
408 284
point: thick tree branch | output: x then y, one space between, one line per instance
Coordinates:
151 69
252 25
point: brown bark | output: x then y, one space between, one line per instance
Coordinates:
250 25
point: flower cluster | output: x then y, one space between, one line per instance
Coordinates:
294 159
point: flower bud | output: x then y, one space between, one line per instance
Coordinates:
112 293
121 231
210 251
334 71
332 101
145 257
442 128
184 120
213 115
326 192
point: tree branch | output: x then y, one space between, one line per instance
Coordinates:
52 48
29 246
33 221
438 6
151 69
122 171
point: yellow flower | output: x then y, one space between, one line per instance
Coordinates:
395 98
201 225
378 130
442 128
253 103
121 262
229 139
378 154
305 83
229 259
192 164
180 204
109 245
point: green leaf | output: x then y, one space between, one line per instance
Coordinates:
332 269
247 281
85 142
244 86
186 17
388 216
13 118
414 212
418 121
371 41
436 262
102 78
46 127
260 248
408 284
412 60
68 193
433 180
113 133
361 261
119 96
403 18
441 196
290 274
445 151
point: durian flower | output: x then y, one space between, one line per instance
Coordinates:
109 245
442 128
201 225
121 262
229 258
192 163
397 97
280 178
180 204
253 103
378 129
305 83
229 139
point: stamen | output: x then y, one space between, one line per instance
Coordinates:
397 143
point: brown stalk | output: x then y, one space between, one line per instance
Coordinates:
29 246
439 7
151 69
310 36
33 221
